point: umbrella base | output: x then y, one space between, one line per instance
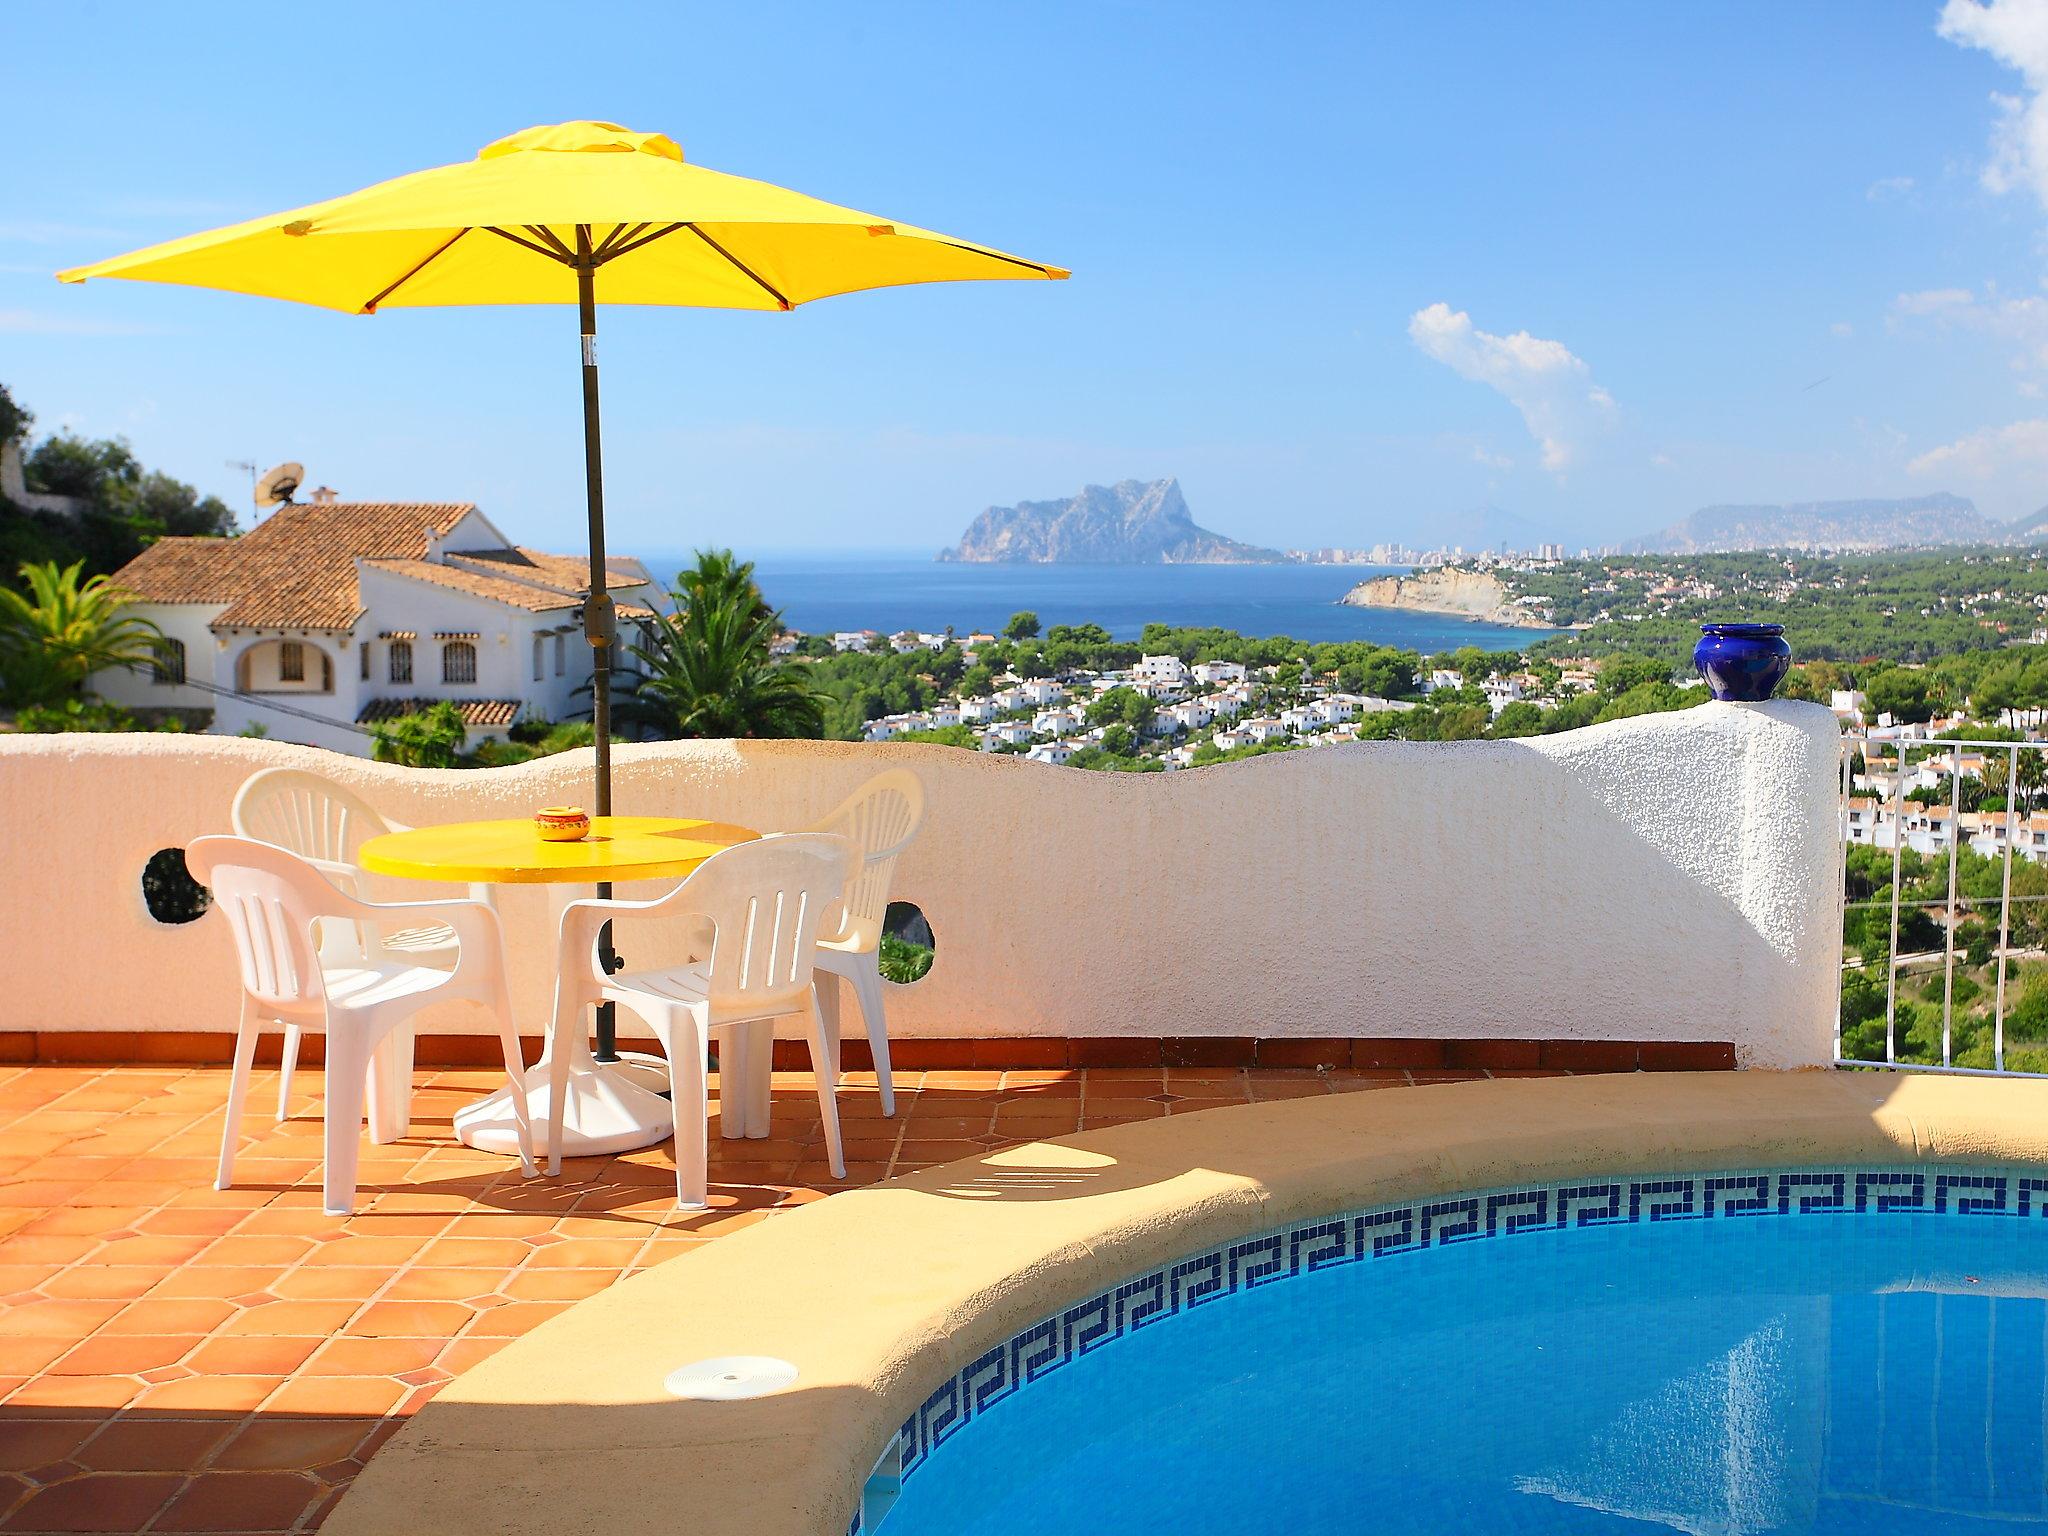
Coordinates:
607 1111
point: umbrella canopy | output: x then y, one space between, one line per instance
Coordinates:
513 225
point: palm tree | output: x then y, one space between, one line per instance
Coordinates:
2033 777
709 671
63 630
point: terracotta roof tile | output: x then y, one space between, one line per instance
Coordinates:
297 568
461 578
474 712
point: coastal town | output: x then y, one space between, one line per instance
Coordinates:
1162 713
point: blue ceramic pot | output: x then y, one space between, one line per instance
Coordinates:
1742 662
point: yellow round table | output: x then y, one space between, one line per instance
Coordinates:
617 848
610 1106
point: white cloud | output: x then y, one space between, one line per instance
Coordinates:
1888 187
1544 380
1484 455
1933 301
2021 322
1989 453
2014 32
1843 329
1660 461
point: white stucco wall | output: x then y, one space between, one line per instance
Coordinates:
186 622
1673 877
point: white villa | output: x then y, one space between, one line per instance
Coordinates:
332 615
1167 671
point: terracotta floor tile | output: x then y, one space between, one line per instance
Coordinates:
154 1248
89 1221
368 1252
251 1250
252 1355
270 1444
97 1393
558 1284
103 1282
376 1357
24 1355
31 1443
208 1394
96 1502
329 1284
189 1221
412 1320
175 1316
152 1444
58 1319
307 1318
124 1354
589 1253
253 1501
32 1248
336 1395
213 1284
421 1283
476 1252
513 1319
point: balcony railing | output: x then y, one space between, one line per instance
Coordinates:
1968 834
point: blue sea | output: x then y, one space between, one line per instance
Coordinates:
820 594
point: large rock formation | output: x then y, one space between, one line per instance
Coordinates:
1129 523
1460 594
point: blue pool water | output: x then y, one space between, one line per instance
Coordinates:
1741 1369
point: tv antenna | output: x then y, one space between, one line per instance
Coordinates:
247 467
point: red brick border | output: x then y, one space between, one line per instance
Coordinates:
1036 1051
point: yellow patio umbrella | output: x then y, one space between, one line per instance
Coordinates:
572 213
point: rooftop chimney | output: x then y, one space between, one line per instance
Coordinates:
325 496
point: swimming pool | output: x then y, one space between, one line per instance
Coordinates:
1834 1350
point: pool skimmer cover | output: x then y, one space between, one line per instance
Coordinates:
728 1378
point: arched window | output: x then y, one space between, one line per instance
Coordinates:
401 661
458 662
539 656
168 664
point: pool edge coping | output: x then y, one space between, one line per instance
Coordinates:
568 1430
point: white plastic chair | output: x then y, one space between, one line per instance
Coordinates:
763 903
881 819
274 901
324 823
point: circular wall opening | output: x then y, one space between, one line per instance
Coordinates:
170 892
907 944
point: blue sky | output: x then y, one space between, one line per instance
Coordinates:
1345 270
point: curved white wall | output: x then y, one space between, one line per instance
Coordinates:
1673 877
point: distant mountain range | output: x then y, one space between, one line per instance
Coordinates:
1846 525
1133 522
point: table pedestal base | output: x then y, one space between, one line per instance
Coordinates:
608 1111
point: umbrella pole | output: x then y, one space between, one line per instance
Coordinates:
599 626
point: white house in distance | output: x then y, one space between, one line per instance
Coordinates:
332 615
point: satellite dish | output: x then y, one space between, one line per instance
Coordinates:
275 488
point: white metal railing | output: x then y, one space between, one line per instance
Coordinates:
1890 816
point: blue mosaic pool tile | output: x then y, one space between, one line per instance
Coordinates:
1391 1231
